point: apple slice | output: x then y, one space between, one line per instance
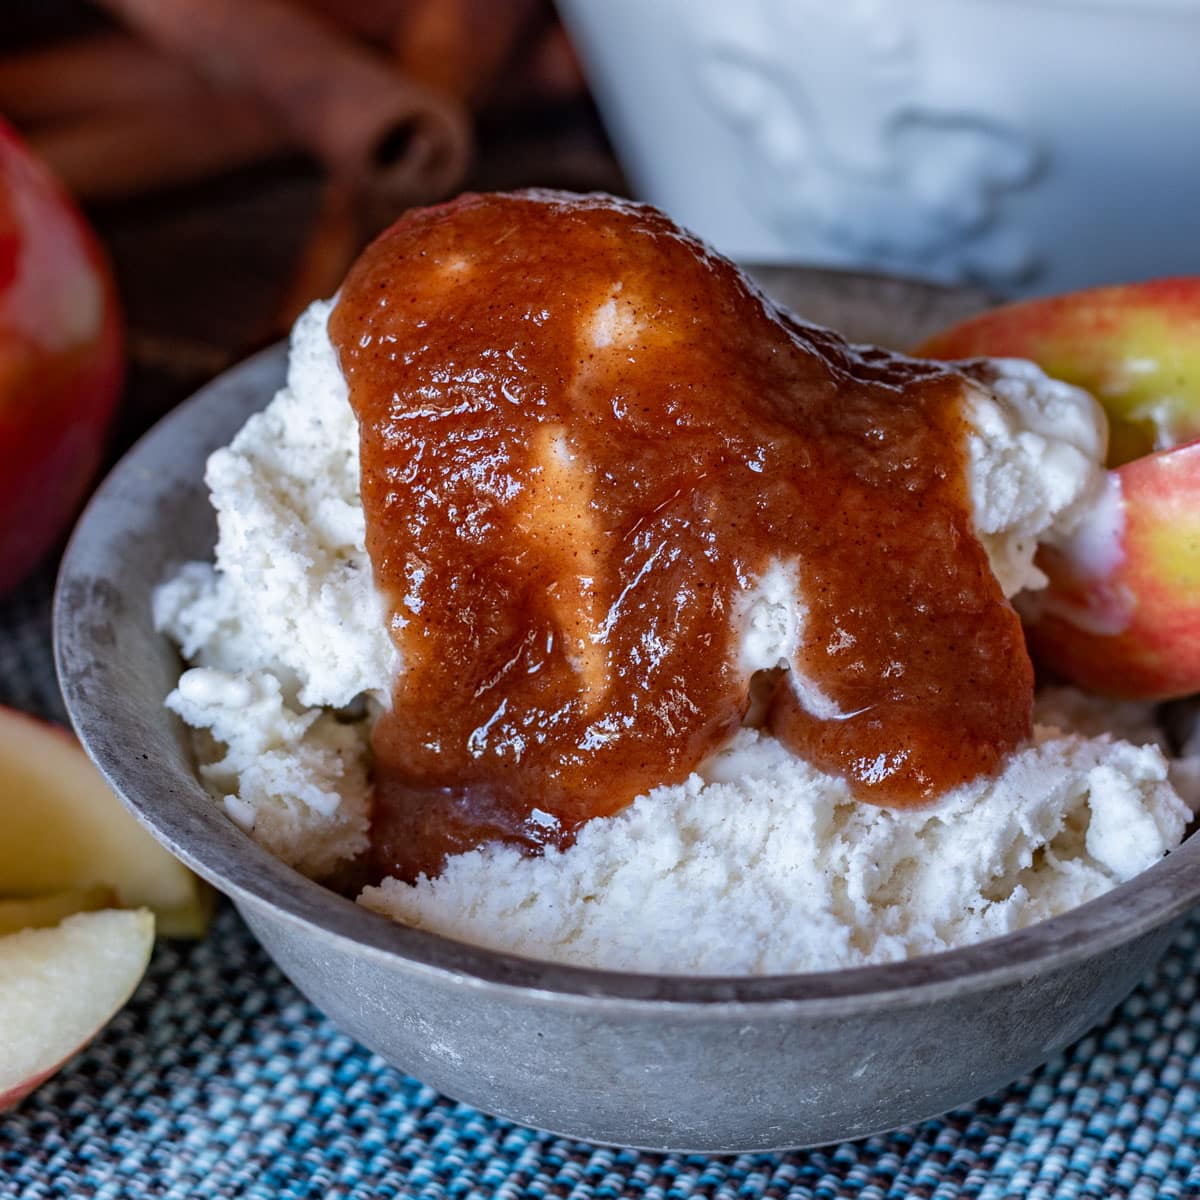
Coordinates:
1135 347
61 828
1121 614
60 986
38 912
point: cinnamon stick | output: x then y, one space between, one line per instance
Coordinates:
127 151
375 20
362 117
460 47
547 74
88 76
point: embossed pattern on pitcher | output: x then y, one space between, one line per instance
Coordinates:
837 135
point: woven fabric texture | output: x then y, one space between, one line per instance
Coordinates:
220 1080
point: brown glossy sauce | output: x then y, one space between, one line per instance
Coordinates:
583 437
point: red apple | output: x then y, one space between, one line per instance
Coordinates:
60 986
1121 614
61 358
1135 347
63 830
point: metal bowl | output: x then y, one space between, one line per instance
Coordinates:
661 1062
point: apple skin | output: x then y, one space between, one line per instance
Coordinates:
61 358
14 1095
1121 613
1135 347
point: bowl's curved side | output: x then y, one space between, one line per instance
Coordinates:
706 1078
660 1061
149 517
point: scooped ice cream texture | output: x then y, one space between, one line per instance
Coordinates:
757 862
760 864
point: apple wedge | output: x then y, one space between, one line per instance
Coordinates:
1135 347
1121 614
61 828
59 987
38 912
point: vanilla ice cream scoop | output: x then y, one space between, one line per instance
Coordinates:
290 599
757 857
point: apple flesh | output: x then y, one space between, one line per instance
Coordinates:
1121 613
59 987
61 358
62 828
39 912
1135 347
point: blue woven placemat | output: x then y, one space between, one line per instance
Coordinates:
220 1080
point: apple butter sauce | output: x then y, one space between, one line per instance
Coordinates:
584 438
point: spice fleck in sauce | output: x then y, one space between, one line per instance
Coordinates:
584 437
